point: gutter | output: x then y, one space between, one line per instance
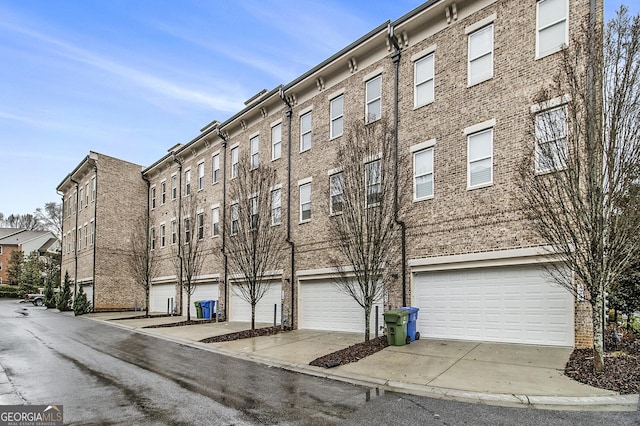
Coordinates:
75 241
146 231
222 136
179 218
95 235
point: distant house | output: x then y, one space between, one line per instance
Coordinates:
15 239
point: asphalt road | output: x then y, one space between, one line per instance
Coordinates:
106 375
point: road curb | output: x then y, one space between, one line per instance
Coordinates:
590 403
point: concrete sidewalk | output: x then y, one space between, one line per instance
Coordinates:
491 373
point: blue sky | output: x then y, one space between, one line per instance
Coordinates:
131 78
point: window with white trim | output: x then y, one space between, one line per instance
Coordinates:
254 142
337 116
481 55
276 206
80 198
373 107
187 230
234 162
200 225
200 176
215 221
235 216
551 140
86 194
254 205
92 230
480 158
373 182
276 141
174 186
305 202
305 131
153 197
174 232
552 29
163 238
423 72
93 188
163 192
152 238
187 182
423 174
80 238
86 235
216 168
336 191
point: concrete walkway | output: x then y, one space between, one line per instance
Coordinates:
491 373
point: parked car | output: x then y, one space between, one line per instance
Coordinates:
36 299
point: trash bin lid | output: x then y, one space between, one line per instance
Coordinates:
395 315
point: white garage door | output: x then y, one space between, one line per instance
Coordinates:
240 310
88 290
324 307
161 296
203 291
516 304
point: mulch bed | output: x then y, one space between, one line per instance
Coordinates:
353 353
245 334
621 366
142 317
181 323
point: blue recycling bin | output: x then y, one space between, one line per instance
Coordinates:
412 334
207 308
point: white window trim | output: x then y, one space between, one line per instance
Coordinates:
256 137
422 146
476 128
415 82
332 119
469 83
367 102
433 171
566 33
213 208
306 181
485 184
271 191
234 146
274 125
204 173
539 171
213 156
310 111
336 172
162 202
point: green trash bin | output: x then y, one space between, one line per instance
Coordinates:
396 322
198 308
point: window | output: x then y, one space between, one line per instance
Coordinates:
373 110
86 235
552 31
153 197
174 232
93 188
255 217
276 141
80 198
92 230
234 162
163 238
336 192
305 202
187 230
305 131
174 187
481 55
373 181
337 112
480 157
551 140
255 151
200 224
423 71
200 176
276 206
423 174
86 194
163 192
152 238
215 221
234 218
216 168
187 182
79 238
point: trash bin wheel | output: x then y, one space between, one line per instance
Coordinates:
417 335
408 340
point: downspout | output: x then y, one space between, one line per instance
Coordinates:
75 242
179 163
224 219
95 235
395 57
292 280
61 194
147 230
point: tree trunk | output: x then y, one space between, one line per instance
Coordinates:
253 316
146 300
598 338
367 323
188 307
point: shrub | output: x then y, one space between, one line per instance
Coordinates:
80 304
63 301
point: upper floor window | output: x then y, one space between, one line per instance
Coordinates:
86 194
424 80
373 108
255 208
163 238
305 202
174 232
153 197
215 221
200 176
187 230
163 192
174 187
152 238
187 182
234 162
216 168
373 180
255 151
337 112
552 31
551 140
276 206
481 55
93 188
423 174
235 216
336 193
276 141
200 225
305 131
80 198
480 158
92 231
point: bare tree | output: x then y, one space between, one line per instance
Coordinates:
587 159
142 259
254 241
51 217
23 221
189 252
361 198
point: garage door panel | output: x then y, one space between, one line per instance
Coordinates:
509 304
240 310
160 296
203 291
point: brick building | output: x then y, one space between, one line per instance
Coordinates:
457 80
